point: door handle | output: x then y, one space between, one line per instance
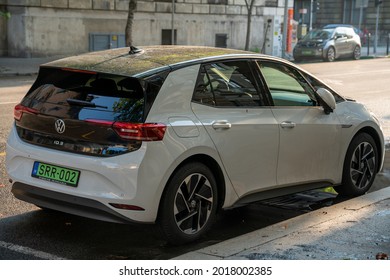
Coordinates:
287 124
221 125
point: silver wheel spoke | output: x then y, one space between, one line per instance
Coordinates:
193 203
190 215
362 165
179 192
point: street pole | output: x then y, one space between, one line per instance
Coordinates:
172 23
285 26
311 16
376 29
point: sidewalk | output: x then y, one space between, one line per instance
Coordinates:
381 51
13 66
357 229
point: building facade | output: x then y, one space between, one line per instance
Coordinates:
51 27
360 13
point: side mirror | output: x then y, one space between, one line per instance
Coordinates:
328 100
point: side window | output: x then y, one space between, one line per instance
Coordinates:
341 32
226 84
286 85
316 84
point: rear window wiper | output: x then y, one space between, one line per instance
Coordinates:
83 103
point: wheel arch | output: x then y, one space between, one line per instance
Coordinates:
325 53
375 135
214 167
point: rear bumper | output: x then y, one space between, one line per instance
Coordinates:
103 181
67 203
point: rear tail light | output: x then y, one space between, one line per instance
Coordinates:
142 132
20 109
135 131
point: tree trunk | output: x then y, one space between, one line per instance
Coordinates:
129 24
249 6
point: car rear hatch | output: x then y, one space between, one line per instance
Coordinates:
88 112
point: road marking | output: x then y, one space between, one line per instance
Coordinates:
9 102
28 251
353 73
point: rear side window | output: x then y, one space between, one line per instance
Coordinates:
95 95
226 84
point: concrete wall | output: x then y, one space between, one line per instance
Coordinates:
50 27
3 34
49 31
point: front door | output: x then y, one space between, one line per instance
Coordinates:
310 140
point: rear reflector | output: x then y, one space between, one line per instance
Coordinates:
127 207
135 131
20 109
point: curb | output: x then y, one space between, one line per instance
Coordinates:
373 56
230 249
17 74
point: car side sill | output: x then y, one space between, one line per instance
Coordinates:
262 195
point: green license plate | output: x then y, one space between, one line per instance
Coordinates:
57 174
307 52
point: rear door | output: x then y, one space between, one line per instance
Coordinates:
351 41
309 143
245 133
341 42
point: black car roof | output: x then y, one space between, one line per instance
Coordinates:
150 58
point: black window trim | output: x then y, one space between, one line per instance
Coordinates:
267 91
257 83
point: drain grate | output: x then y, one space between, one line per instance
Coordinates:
306 201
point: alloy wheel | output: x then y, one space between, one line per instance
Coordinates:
331 54
193 203
356 52
363 165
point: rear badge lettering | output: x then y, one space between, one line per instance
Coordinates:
58 143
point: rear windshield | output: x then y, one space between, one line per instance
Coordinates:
102 96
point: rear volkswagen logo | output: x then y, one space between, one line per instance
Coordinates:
59 126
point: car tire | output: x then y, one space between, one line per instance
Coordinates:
189 204
360 166
330 55
356 53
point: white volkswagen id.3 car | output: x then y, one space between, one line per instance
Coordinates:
173 135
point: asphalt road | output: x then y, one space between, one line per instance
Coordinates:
27 232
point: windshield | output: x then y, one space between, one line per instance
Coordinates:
319 34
